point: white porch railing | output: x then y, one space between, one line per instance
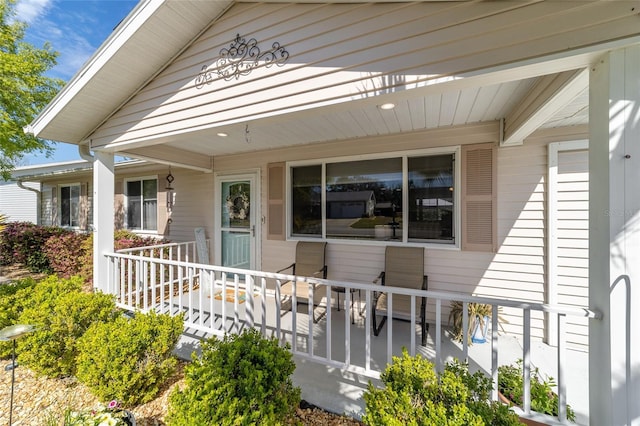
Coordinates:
219 300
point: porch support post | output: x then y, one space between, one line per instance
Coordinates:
103 217
614 238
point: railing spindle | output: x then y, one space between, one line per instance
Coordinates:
526 361
562 387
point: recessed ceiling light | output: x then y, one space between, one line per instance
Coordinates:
388 105
223 134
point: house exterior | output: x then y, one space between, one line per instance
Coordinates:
63 196
504 132
25 198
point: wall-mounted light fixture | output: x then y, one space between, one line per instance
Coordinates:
170 191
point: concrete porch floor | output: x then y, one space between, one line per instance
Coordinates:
341 391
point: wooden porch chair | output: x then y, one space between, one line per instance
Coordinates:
403 267
309 262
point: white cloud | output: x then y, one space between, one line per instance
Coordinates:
30 10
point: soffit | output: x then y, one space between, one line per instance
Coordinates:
139 47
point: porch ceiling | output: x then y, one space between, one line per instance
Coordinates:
413 112
531 85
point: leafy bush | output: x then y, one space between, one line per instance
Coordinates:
240 380
62 313
415 395
123 239
129 359
23 242
543 398
65 253
12 302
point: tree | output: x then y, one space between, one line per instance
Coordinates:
24 89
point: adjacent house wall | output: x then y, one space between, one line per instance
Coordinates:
50 203
18 204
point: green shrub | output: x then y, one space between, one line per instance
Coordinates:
12 302
415 395
62 313
129 359
243 379
64 253
543 398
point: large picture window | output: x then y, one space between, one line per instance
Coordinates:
70 205
142 204
404 199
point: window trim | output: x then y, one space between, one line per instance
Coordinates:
404 155
126 205
59 204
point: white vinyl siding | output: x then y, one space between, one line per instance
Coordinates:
17 204
569 223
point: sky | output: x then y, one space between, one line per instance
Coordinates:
75 29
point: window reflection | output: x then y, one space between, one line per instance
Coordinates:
364 199
431 198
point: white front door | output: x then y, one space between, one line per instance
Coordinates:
236 217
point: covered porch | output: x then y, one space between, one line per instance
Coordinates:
416 101
335 349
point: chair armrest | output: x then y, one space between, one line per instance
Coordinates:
292 266
377 294
379 278
322 273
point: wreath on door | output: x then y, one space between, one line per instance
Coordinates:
238 205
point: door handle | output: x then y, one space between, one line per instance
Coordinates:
253 230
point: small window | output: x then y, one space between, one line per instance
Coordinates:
431 201
70 206
142 205
306 201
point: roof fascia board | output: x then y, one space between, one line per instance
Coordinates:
229 3
70 168
118 37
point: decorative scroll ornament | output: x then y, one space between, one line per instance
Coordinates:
240 59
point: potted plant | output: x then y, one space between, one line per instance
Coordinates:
479 320
543 399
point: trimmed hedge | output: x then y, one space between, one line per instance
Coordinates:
414 394
61 313
14 297
129 360
243 379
